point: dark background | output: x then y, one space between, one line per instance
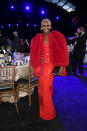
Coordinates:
65 24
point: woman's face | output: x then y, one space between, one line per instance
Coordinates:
46 27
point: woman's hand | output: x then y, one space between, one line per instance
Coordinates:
76 34
60 71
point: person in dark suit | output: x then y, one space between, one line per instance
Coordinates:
26 45
22 48
16 42
79 50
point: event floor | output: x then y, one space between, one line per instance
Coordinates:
70 99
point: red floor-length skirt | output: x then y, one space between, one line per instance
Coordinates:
45 88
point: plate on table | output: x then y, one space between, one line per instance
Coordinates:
19 63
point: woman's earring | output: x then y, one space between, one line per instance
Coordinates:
41 28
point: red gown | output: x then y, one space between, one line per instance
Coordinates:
57 50
45 88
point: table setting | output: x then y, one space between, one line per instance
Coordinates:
21 63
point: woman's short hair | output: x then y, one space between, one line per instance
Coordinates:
45 20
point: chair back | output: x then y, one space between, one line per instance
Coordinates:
7 77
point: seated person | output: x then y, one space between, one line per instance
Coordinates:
2 50
9 51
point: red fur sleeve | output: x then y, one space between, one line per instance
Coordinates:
35 51
59 49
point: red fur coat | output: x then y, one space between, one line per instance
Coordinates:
57 48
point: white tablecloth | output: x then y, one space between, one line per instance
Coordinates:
20 72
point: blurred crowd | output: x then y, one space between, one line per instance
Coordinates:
76 47
77 50
8 46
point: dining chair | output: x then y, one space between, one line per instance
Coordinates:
27 84
8 85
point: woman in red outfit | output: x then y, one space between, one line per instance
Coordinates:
48 49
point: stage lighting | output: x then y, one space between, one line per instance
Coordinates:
1 26
27 7
9 25
42 12
17 24
27 25
57 17
12 7
34 25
